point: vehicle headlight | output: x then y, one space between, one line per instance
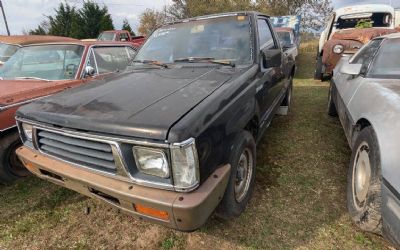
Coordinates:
151 161
185 165
27 129
338 49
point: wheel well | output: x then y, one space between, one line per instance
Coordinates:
362 123
293 71
252 127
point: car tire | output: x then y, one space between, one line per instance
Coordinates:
364 199
242 158
11 168
318 74
332 111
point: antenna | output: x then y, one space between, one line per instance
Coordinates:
4 16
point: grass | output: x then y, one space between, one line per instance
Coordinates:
298 203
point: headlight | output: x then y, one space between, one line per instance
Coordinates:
151 161
338 49
27 130
185 165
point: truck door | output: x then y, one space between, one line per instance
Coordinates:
270 78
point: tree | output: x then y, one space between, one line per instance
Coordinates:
315 14
92 20
150 20
41 29
127 26
64 22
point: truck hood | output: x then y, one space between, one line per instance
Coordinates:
361 35
14 91
141 104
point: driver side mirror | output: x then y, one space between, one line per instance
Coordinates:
350 69
89 71
271 58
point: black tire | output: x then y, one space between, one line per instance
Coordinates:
332 111
318 74
231 206
11 168
364 204
287 101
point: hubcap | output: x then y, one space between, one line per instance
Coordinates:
243 175
16 166
361 175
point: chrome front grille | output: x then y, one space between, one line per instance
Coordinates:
84 152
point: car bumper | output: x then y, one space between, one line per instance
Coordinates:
181 211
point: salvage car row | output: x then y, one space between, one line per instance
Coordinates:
169 133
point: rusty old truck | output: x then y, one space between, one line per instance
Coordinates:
174 137
347 30
43 69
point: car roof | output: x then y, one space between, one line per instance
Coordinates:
391 36
22 40
362 8
283 29
236 13
84 43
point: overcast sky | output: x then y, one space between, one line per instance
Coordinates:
27 14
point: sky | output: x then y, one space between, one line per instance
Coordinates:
27 14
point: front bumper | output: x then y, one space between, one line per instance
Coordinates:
185 211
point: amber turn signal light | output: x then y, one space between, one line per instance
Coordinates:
151 212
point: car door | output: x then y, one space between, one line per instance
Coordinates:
269 78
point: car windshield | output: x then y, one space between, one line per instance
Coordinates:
106 36
6 51
364 20
387 61
50 62
285 37
219 39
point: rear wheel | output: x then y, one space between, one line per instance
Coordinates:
11 168
318 74
364 198
241 183
331 105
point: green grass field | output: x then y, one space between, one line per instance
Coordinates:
298 203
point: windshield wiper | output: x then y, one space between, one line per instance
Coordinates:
31 78
206 60
151 62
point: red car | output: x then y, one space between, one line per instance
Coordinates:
121 36
40 70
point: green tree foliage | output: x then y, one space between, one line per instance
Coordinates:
92 20
86 22
127 26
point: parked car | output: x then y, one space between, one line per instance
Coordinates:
286 36
365 94
121 36
36 71
347 30
176 136
10 44
289 23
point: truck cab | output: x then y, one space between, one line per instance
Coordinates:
121 36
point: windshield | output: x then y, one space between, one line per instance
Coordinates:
387 61
285 37
50 62
6 51
106 36
364 20
221 38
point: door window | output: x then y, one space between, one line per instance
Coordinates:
265 34
111 59
366 55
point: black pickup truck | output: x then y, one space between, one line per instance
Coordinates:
173 138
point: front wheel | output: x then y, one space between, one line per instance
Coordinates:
242 158
364 199
11 168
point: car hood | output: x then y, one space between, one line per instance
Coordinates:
15 91
142 104
361 35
